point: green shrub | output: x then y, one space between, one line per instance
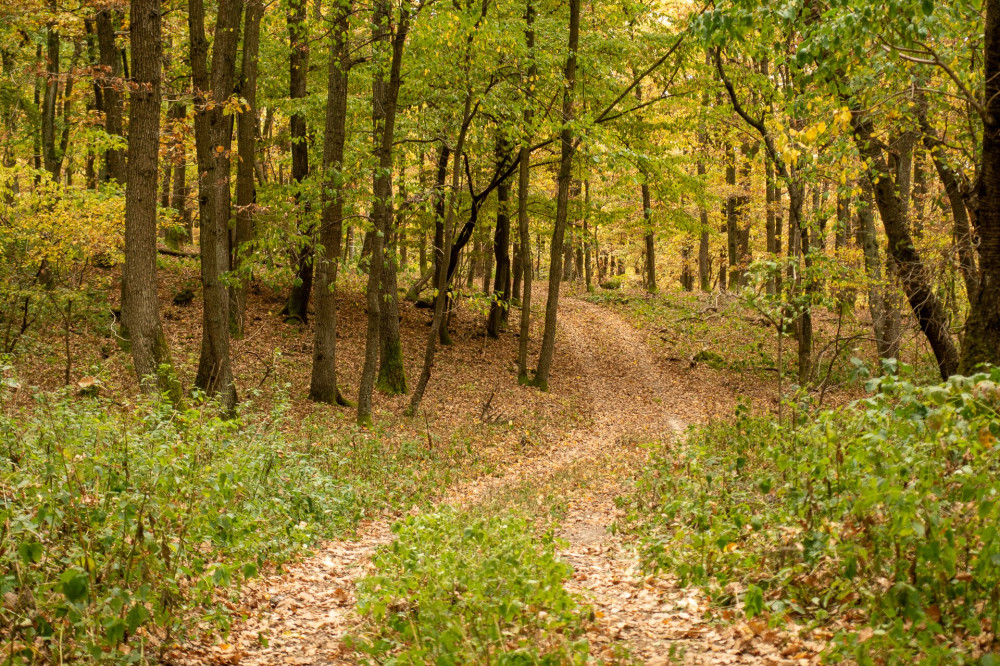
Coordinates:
454 589
122 528
886 512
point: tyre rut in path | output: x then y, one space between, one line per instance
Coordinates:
605 362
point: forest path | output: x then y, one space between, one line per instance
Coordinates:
606 364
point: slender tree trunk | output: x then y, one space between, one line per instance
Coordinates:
587 240
769 224
962 230
650 238
110 84
297 307
568 148
500 302
982 329
178 197
215 375
246 146
487 261
796 200
523 231
140 305
926 306
444 257
886 346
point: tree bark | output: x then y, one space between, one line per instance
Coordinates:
500 302
523 230
886 342
140 304
384 95
588 242
297 307
110 82
962 228
568 149
982 329
323 385
650 238
214 375
246 146
923 300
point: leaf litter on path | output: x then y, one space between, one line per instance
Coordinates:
627 399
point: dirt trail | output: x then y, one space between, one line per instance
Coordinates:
605 363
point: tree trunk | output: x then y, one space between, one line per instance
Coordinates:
443 253
982 329
297 307
215 375
140 304
650 239
588 242
962 229
110 84
926 306
179 194
384 95
886 343
523 230
568 148
246 145
50 154
500 302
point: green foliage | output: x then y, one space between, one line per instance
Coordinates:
122 529
884 512
454 589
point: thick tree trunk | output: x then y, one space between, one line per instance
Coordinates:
246 146
770 219
568 149
297 307
50 153
215 375
923 299
385 92
323 385
140 305
981 343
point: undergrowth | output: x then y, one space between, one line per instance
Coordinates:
120 529
880 520
453 588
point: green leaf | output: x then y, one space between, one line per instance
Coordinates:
30 552
75 584
753 601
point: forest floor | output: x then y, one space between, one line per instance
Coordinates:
611 396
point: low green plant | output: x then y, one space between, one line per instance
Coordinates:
458 589
885 512
121 529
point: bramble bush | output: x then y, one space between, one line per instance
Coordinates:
458 589
121 529
883 515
